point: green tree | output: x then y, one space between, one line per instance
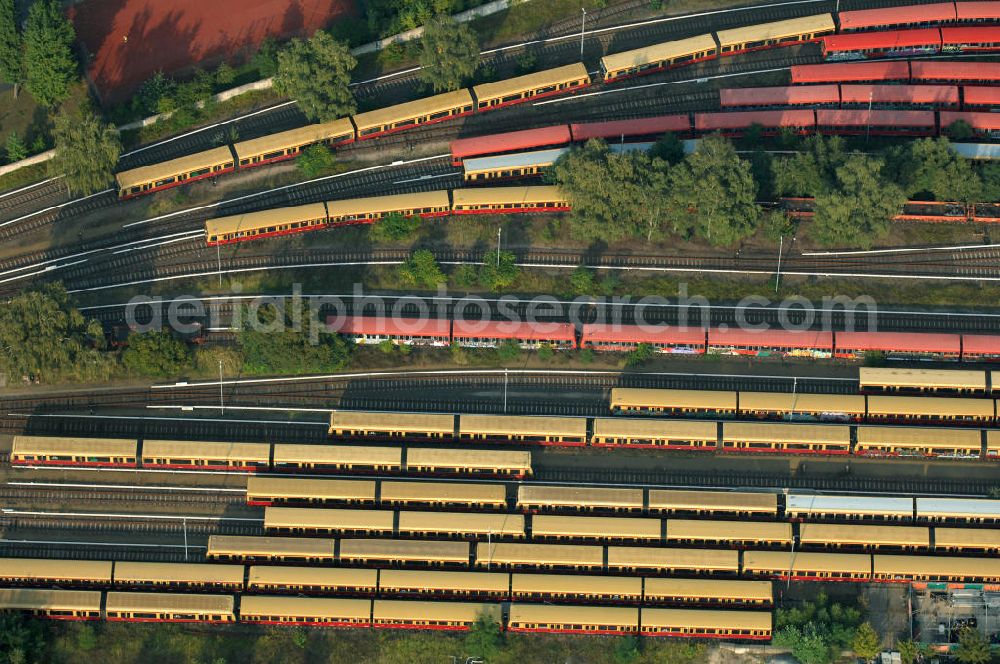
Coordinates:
626 650
812 171
713 193
642 353
16 149
158 354
908 651
816 632
669 148
499 273
289 340
449 54
395 227
421 269
484 640
86 151
153 90
581 280
973 648
317 74
508 351
546 352
20 636
866 643
315 160
960 130
936 169
861 207
224 75
265 60
989 174
43 336
11 54
613 196
49 65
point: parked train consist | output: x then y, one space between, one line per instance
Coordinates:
861 95
251 457
316 216
563 80
685 340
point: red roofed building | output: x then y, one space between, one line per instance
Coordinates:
778 96
902 345
925 95
854 71
401 331
512 141
491 333
623 338
641 127
892 17
981 347
772 341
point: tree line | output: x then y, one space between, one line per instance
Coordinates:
712 194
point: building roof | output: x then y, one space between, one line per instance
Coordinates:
525 139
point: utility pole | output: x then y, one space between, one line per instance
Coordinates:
185 539
218 256
583 25
499 231
777 278
868 127
505 389
222 403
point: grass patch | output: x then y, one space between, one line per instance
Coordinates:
23 176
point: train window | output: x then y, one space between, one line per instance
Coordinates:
406 123
439 115
546 89
160 183
197 173
514 97
273 155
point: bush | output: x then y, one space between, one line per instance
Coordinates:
265 60
508 351
156 354
224 75
315 160
395 227
642 353
16 149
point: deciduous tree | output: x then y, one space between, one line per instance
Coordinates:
936 169
484 639
973 648
812 171
421 269
289 341
86 151
315 160
866 643
713 195
499 274
157 353
11 54
317 74
16 149
49 65
860 208
395 227
449 54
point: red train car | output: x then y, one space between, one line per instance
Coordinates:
527 139
654 126
898 345
490 334
981 95
734 124
980 347
862 121
981 123
958 72
907 16
793 343
402 331
664 338
851 72
810 95
977 12
908 95
897 43
970 40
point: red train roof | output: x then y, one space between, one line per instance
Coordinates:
660 124
876 118
906 15
771 338
980 121
487 329
743 119
651 334
888 40
514 140
984 35
854 71
981 344
955 71
972 11
982 95
899 341
803 94
899 94
390 325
